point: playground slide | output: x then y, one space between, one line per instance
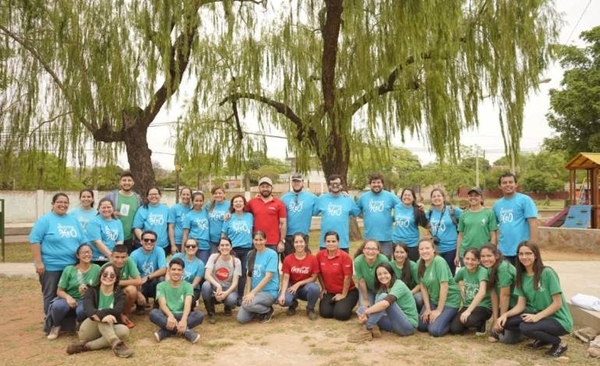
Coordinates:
559 219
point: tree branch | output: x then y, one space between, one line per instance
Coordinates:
281 108
331 32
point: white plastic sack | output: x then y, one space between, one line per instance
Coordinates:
587 302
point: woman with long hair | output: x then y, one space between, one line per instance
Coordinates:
366 258
153 216
193 271
408 217
105 231
443 224
85 212
217 209
406 271
176 219
195 226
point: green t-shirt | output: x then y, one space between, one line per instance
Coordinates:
437 272
413 271
128 205
175 296
71 278
405 300
542 298
506 277
362 270
106 301
476 228
471 282
128 271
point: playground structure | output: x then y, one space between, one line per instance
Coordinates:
585 204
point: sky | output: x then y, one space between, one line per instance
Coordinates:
578 15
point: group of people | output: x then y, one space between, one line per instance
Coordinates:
98 266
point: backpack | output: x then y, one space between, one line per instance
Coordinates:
452 215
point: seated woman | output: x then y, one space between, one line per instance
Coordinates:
73 283
262 283
441 295
300 270
476 310
541 312
194 268
367 257
338 293
406 271
102 305
223 272
394 309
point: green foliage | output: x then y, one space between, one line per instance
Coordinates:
30 170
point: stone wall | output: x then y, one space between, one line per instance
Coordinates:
576 240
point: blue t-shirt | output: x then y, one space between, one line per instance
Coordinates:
443 227
216 217
59 237
299 208
377 214
512 214
109 231
239 230
197 223
335 215
176 217
154 218
406 229
84 216
147 263
267 261
193 268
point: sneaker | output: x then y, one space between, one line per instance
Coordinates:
53 333
537 344
212 319
494 337
311 315
227 311
363 335
161 334
557 350
121 350
191 336
376 332
480 330
267 316
78 347
290 311
140 310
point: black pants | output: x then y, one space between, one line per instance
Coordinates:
547 330
413 253
339 310
477 319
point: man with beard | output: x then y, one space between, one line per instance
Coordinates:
126 203
376 207
269 215
299 206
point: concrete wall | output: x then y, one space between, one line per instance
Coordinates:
573 240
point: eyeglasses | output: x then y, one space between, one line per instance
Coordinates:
371 249
147 240
110 275
191 246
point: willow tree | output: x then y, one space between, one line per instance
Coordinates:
322 70
93 74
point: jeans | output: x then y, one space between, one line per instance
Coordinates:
207 294
242 255
449 258
511 258
441 325
386 248
370 295
339 310
203 255
547 330
418 300
98 335
214 247
309 292
477 319
392 319
157 317
261 304
49 282
60 309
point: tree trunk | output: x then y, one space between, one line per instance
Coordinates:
139 157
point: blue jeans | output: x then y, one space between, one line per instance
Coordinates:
214 247
441 325
157 317
261 304
49 282
60 309
418 300
309 292
242 255
203 255
449 258
370 294
386 248
392 319
207 294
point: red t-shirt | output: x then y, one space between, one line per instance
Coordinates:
300 269
333 270
266 217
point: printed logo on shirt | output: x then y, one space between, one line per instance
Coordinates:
156 219
216 215
483 222
67 231
295 206
202 224
506 215
258 271
222 274
239 226
402 221
111 234
300 270
376 206
334 210
147 268
438 226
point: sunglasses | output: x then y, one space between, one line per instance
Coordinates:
190 246
146 240
108 275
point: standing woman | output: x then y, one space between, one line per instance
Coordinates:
217 209
73 283
85 212
153 216
541 312
103 306
408 217
338 293
223 272
406 271
476 309
54 239
105 231
477 226
239 230
195 226
300 270
443 226
176 218
367 257
262 284
441 295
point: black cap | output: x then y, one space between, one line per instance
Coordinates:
297 176
476 190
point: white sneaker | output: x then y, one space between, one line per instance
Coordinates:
53 334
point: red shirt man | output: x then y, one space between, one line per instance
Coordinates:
269 214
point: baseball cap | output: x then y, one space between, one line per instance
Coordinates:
296 176
476 190
265 180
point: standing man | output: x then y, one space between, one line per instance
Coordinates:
299 206
336 209
269 215
376 207
517 217
126 203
